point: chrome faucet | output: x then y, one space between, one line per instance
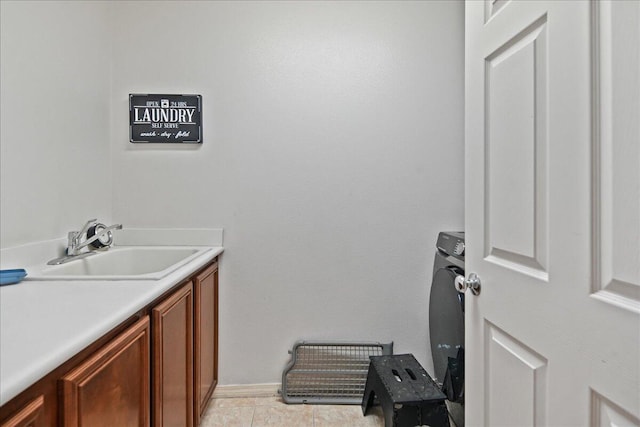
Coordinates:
74 238
77 240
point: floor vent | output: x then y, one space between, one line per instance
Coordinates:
329 372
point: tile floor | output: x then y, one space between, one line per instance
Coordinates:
271 411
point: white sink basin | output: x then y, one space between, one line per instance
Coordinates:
122 263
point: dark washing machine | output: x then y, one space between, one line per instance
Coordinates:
446 321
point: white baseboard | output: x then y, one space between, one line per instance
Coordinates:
246 390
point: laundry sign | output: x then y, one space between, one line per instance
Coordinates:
165 118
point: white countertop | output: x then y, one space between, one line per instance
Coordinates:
44 323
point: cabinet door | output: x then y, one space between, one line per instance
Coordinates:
173 360
111 388
206 337
31 415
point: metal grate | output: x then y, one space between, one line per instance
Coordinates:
332 373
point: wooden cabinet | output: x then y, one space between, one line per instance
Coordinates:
205 287
111 387
185 351
161 370
30 415
172 325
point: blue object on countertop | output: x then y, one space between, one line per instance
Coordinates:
9 277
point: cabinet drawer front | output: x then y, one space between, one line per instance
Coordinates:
111 388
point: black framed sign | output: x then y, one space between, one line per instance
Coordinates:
165 118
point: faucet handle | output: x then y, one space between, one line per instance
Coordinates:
99 236
86 226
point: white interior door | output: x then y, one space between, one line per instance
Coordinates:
553 212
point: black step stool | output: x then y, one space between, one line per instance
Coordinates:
408 395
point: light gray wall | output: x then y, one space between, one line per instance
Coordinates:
332 156
55 81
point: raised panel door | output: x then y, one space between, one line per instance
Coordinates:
31 415
172 324
206 337
111 388
552 201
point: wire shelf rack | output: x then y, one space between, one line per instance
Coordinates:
329 372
